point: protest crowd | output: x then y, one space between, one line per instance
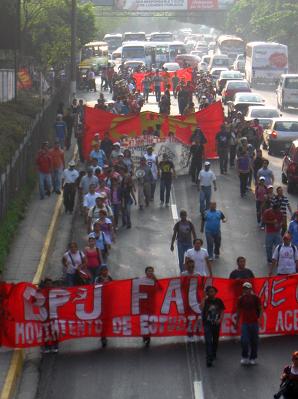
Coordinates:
108 183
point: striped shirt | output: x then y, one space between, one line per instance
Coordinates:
283 203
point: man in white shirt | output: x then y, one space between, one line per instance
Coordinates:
200 257
69 185
152 162
94 212
89 200
205 180
285 257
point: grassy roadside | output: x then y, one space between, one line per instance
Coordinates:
16 213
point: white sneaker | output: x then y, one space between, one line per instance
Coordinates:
252 362
244 361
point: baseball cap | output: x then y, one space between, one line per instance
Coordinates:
71 163
207 163
101 196
96 134
262 178
270 186
117 143
247 285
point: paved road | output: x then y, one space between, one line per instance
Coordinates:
171 368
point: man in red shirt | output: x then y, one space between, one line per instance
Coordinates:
58 166
272 219
44 166
249 311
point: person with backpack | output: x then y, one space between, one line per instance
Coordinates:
73 261
285 257
184 233
100 240
289 380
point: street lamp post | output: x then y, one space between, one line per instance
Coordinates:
73 55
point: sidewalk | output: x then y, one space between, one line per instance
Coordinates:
26 250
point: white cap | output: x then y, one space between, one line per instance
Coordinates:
262 178
117 143
207 163
247 285
71 163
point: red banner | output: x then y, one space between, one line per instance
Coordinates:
137 307
209 120
183 74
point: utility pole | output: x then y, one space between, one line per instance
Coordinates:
73 56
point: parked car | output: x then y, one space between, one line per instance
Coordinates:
280 135
289 174
265 114
225 76
215 72
171 66
234 86
242 101
239 63
287 91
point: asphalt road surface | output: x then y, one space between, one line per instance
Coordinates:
171 368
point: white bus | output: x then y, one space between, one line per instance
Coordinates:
161 37
265 62
167 52
114 40
138 51
230 46
134 37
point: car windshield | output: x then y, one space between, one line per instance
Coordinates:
291 83
236 85
221 62
265 113
286 126
231 76
249 99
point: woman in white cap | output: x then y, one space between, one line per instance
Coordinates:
69 184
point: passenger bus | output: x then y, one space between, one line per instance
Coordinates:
114 40
167 52
230 46
95 55
134 37
161 37
265 62
138 51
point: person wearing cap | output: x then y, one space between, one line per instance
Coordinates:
260 197
206 179
212 314
267 173
293 229
99 155
58 165
89 200
242 272
115 152
94 211
257 164
166 171
289 380
88 179
69 183
284 206
152 162
272 219
249 312
285 257
44 167
211 221
96 140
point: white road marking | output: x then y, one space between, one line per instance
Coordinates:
174 212
198 390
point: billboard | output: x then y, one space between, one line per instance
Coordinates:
172 5
9 24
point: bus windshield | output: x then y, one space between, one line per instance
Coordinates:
114 41
134 37
161 37
133 52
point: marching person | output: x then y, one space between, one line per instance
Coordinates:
284 205
285 257
212 314
289 380
196 155
152 162
144 181
44 166
242 272
58 165
73 261
200 256
69 184
205 180
184 233
166 171
211 220
272 219
249 311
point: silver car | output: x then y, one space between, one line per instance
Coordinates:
280 135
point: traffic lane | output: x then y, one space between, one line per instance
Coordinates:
241 235
229 380
129 373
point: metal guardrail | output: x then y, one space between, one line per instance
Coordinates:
7 85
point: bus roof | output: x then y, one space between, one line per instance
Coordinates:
101 44
133 33
266 44
112 35
223 38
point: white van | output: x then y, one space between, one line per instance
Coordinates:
287 91
219 61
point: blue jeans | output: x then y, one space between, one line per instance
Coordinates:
157 93
45 183
165 186
205 197
249 340
126 211
211 333
213 243
182 248
57 176
271 241
71 279
116 210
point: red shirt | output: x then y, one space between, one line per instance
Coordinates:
57 156
270 216
44 162
249 308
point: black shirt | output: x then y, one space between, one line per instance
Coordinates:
196 151
243 274
212 310
166 168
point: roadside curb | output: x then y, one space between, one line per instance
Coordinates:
18 356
